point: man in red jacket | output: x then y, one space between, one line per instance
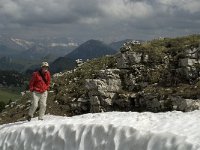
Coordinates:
38 85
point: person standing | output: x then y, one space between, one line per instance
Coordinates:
38 85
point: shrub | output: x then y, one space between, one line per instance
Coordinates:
2 106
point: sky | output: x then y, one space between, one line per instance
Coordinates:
107 20
105 131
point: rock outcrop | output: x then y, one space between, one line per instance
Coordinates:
144 78
135 83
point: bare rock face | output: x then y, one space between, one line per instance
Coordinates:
185 104
127 87
102 91
126 59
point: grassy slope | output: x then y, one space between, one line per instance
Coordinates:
9 94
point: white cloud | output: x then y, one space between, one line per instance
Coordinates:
9 10
101 17
191 6
123 10
89 20
65 11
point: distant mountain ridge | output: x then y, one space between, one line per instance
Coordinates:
91 49
12 44
88 50
61 53
27 53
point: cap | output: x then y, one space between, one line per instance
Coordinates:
44 64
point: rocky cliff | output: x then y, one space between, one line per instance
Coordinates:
159 75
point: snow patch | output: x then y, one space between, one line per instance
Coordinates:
23 43
105 131
71 44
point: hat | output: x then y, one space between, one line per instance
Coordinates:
44 64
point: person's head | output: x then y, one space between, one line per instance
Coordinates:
44 66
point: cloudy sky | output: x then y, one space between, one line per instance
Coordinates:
107 20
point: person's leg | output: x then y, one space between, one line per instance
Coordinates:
34 104
43 100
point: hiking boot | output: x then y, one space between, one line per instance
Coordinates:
28 118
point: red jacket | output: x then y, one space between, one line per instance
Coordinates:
38 84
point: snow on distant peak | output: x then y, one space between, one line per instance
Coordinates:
105 131
71 44
23 43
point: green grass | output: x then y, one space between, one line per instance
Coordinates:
9 94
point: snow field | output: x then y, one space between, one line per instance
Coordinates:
105 131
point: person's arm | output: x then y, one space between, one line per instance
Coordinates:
48 79
31 83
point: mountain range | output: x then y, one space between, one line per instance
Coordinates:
26 55
19 54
